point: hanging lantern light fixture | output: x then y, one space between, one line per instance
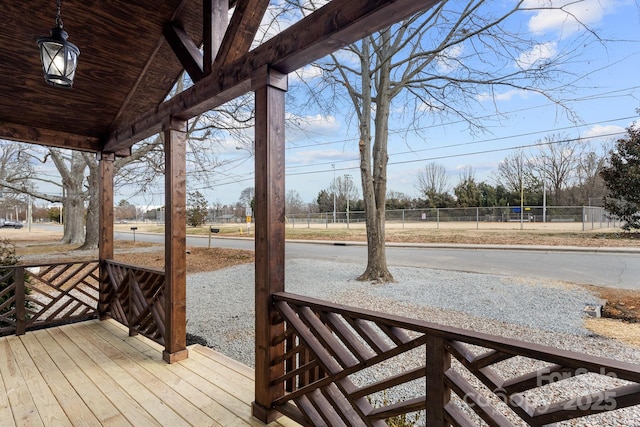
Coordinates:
59 57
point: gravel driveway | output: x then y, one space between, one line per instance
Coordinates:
220 307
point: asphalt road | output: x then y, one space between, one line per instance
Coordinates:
618 270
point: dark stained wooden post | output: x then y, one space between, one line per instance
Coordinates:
21 309
175 258
105 223
270 88
438 394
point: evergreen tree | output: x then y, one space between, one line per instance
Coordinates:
622 179
197 209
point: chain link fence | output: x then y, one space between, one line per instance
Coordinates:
531 217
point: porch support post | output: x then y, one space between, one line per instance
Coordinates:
175 259
105 224
270 87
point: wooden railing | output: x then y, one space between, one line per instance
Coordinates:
37 296
134 296
331 352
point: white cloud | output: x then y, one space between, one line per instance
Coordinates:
567 16
599 132
537 55
306 73
314 127
504 96
320 156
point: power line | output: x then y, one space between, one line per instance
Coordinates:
495 150
462 144
601 95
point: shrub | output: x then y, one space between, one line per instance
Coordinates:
8 258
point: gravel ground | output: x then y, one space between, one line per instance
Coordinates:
220 309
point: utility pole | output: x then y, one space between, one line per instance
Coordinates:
347 178
333 165
544 200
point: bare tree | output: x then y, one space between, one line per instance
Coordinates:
247 197
515 172
345 189
441 62
589 182
16 172
433 181
557 163
139 172
294 203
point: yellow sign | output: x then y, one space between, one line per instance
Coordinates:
248 218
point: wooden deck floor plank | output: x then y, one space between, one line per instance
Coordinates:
173 376
227 361
126 400
72 404
48 407
156 407
109 352
147 346
226 393
94 399
93 373
228 409
5 408
214 407
243 387
23 408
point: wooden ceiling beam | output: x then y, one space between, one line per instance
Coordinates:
330 28
51 138
216 19
185 49
241 31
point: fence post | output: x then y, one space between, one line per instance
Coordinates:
19 294
583 218
403 219
477 218
437 217
438 394
308 220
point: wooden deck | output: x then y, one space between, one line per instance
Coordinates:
92 373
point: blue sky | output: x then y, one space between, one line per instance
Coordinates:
605 103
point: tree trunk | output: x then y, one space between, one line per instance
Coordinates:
92 223
73 200
374 177
73 218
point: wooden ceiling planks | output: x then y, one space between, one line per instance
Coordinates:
115 37
126 69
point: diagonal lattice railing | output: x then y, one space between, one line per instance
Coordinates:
444 375
135 297
37 296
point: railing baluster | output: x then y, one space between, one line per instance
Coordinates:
19 294
438 394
